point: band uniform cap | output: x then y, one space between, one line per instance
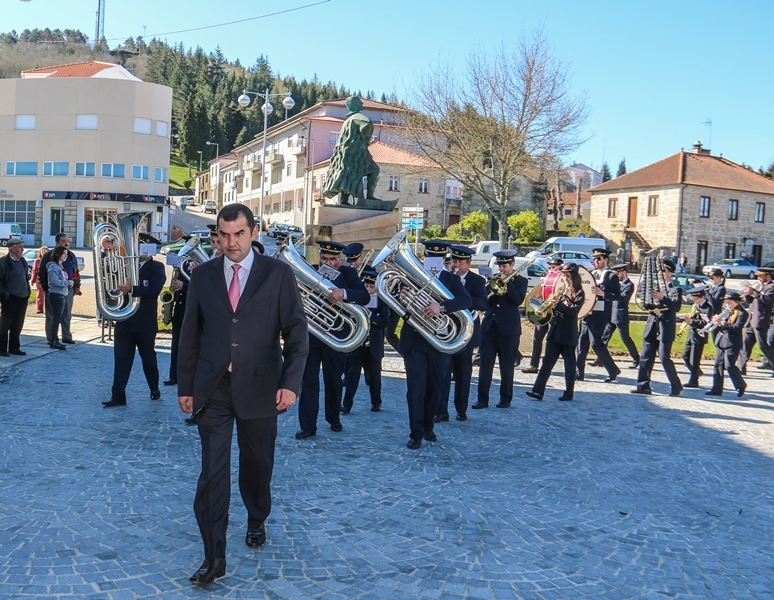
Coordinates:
699 290
716 272
504 256
258 246
331 247
14 242
621 267
353 251
556 262
212 227
735 296
764 271
369 277
436 247
668 265
569 267
604 252
461 252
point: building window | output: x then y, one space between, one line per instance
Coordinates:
760 212
653 206
423 186
56 169
730 251
162 128
289 169
85 169
704 207
733 210
86 121
394 183
25 122
114 170
140 172
21 169
19 211
333 137
160 175
612 208
142 126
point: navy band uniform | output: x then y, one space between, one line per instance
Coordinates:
729 343
694 343
620 319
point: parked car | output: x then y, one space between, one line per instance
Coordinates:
175 247
483 252
567 244
732 267
581 258
686 282
277 229
210 207
769 265
534 273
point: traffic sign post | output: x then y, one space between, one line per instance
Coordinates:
413 217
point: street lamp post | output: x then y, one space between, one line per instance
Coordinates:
200 160
217 181
244 102
217 148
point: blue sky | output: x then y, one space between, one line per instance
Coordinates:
653 71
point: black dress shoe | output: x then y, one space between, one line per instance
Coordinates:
4 353
530 369
344 410
209 570
68 341
303 434
155 394
431 437
594 363
676 392
376 408
170 382
565 397
691 384
113 402
478 405
336 427
414 444
634 365
503 404
534 395
256 536
440 419
17 352
57 346
641 390
579 377
713 393
740 392
612 378
462 417
191 420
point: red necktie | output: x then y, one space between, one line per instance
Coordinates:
233 289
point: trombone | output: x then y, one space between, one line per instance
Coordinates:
499 285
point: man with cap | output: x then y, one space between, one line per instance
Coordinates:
426 367
728 342
761 303
716 294
368 357
501 332
694 344
659 335
354 255
461 364
14 293
349 289
554 265
214 240
607 290
620 318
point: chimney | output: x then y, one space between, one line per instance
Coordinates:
697 149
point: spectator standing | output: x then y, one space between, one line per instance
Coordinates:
683 263
14 293
58 287
70 266
40 297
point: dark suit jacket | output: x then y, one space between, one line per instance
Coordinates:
760 307
504 310
612 289
563 327
475 285
379 318
697 323
730 333
716 294
621 306
461 301
214 335
152 278
348 280
663 324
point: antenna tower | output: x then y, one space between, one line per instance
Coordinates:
99 28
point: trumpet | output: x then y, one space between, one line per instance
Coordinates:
687 319
167 298
711 326
499 285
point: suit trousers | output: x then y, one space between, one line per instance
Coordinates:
495 344
361 360
727 360
751 337
389 333
623 331
256 439
692 356
12 312
593 333
537 345
648 358
176 327
553 352
461 366
426 368
126 339
333 367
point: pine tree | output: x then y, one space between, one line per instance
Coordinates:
606 176
621 168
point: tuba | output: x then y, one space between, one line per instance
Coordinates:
447 333
192 252
117 266
340 326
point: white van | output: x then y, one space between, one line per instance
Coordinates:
484 251
567 244
8 232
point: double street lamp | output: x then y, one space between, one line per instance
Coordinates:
244 102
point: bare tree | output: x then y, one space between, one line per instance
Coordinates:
509 117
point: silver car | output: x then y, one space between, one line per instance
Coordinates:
732 267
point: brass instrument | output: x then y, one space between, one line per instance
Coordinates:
341 326
540 313
711 326
687 319
754 284
447 333
167 298
499 285
364 264
652 279
192 252
117 266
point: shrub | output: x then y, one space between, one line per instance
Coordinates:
475 222
432 232
526 226
454 231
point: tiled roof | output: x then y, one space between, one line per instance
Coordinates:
385 154
691 169
80 69
569 198
367 104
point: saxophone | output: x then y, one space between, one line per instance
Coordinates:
168 298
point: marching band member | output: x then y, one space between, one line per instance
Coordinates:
562 337
716 293
555 265
620 318
353 254
728 343
349 288
607 289
760 303
461 365
694 344
659 335
500 333
368 357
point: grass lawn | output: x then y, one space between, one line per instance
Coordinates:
179 173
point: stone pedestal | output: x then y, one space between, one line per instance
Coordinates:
372 228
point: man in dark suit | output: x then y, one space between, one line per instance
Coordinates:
620 318
607 290
138 332
14 293
350 289
728 343
555 264
368 357
694 344
500 333
242 353
659 335
760 303
426 367
461 363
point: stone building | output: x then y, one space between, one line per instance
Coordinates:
706 206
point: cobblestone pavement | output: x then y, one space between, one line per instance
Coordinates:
609 496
